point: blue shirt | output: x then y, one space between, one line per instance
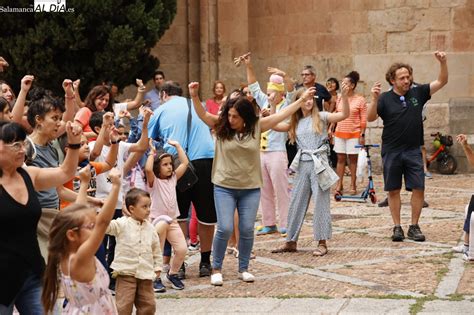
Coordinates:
154 96
170 121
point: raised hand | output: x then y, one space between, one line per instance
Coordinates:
440 56
244 58
276 71
67 86
85 174
76 84
147 112
27 82
74 132
461 139
376 88
141 86
308 93
114 176
193 89
3 64
108 119
174 143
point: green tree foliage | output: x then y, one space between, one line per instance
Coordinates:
99 41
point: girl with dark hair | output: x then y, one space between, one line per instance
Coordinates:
314 177
236 172
350 132
21 264
213 105
162 177
75 236
100 99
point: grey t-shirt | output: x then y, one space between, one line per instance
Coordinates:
47 156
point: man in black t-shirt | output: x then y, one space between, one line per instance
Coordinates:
400 110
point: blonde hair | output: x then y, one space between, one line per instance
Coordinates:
295 118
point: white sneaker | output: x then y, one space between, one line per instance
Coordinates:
216 279
246 276
467 258
459 249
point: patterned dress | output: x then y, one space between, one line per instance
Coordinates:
88 298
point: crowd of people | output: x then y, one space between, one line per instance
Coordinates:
98 201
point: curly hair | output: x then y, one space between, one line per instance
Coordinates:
245 110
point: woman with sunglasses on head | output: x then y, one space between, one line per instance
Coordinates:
21 264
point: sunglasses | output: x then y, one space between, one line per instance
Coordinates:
404 103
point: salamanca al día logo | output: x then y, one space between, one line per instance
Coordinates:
51 6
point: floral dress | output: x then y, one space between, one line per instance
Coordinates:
89 297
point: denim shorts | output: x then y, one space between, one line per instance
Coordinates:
407 164
467 221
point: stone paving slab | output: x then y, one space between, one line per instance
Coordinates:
364 271
448 307
371 306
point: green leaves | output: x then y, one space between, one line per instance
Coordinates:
107 40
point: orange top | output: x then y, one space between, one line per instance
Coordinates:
351 127
96 169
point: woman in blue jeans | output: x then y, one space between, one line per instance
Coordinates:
236 172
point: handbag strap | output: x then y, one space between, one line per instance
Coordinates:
188 128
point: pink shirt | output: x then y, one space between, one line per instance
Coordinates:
83 116
212 107
163 197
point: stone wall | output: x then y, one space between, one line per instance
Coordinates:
336 36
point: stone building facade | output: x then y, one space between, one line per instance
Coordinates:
335 36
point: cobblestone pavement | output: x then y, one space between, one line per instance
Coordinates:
363 263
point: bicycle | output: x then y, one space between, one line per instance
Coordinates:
445 162
369 191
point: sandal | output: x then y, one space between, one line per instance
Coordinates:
288 247
353 192
321 250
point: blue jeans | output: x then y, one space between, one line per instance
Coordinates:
227 200
28 300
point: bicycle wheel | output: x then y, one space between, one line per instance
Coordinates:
447 164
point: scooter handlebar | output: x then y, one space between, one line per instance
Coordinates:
367 146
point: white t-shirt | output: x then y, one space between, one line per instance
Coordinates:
103 185
118 107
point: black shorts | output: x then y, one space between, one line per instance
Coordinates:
407 164
201 195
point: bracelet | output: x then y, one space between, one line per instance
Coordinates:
74 146
69 97
115 142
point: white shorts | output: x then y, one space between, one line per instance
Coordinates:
346 146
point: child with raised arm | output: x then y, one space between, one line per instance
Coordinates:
137 255
75 236
161 182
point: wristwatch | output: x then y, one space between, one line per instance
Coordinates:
115 142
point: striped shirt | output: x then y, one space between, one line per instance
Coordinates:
351 127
